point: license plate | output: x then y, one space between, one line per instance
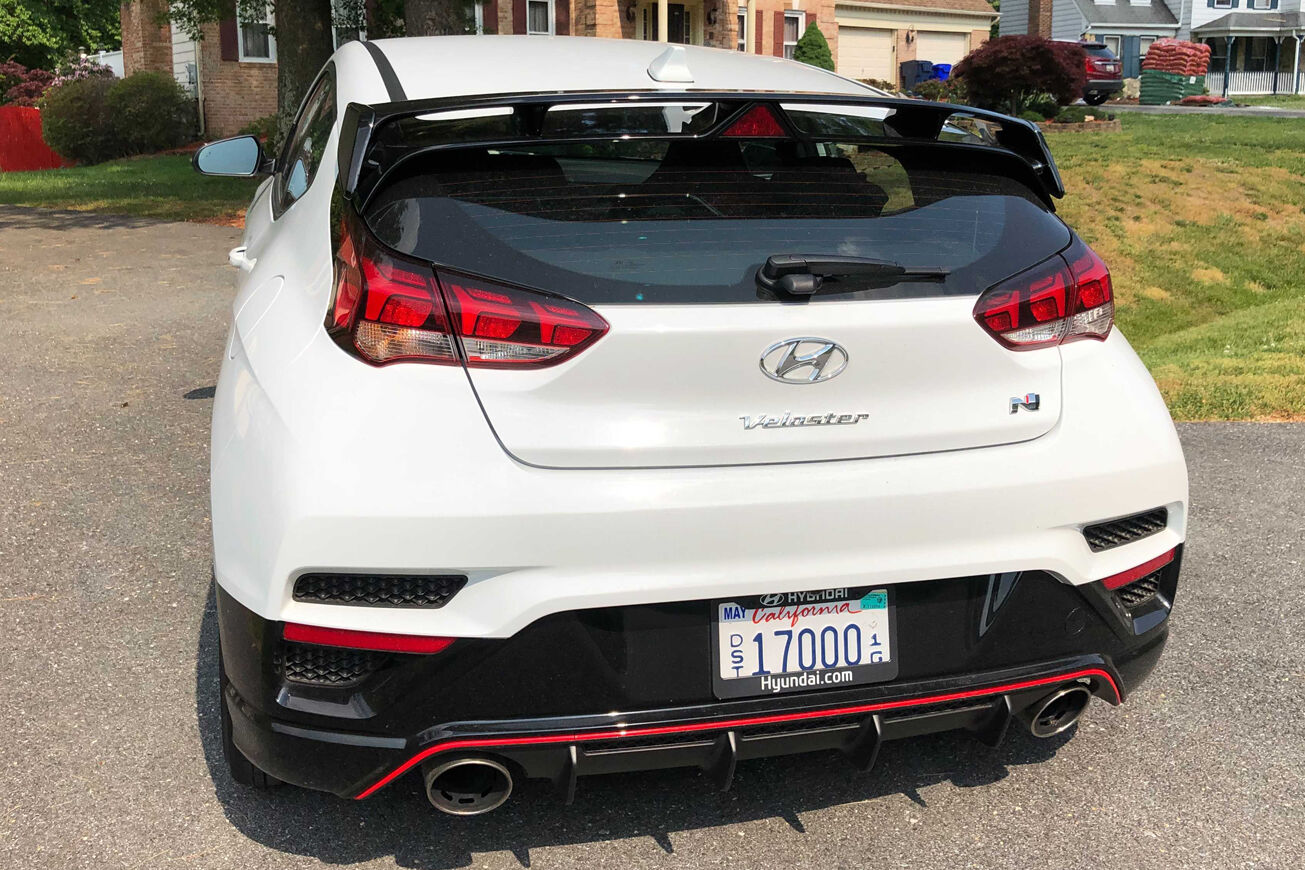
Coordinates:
802 641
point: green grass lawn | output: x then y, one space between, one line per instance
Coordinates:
163 186
1202 222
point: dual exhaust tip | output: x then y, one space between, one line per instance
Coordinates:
468 786
474 785
1056 712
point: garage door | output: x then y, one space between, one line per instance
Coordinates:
937 47
866 53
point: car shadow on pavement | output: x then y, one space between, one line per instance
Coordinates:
399 822
26 217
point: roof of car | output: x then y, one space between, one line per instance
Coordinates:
450 66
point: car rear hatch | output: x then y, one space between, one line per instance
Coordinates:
658 219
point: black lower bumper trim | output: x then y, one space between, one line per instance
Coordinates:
717 746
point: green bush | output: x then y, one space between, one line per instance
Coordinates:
76 122
950 91
813 49
1045 105
1030 115
264 128
1074 115
150 112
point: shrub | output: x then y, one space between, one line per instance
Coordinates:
813 49
1008 72
950 91
150 112
881 84
83 68
11 73
21 86
75 120
264 128
1030 115
1045 105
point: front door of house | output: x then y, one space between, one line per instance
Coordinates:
679 23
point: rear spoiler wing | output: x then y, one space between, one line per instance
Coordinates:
906 120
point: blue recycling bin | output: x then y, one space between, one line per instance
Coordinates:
942 71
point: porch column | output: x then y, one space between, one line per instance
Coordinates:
663 21
1295 67
1277 60
750 21
1227 63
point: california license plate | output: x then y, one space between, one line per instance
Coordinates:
802 641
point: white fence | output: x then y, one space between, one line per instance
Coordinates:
111 59
1249 83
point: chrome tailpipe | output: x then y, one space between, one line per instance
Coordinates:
1057 711
467 786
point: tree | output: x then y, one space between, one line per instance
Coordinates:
303 45
1008 72
303 39
435 17
812 48
44 33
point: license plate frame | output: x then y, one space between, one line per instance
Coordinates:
796 611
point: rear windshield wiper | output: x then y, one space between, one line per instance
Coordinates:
804 275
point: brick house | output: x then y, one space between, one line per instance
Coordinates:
232 70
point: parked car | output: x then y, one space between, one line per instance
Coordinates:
1105 72
595 406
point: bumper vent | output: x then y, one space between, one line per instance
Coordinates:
1125 530
379 590
1139 591
327 666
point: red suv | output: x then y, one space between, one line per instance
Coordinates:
1105 73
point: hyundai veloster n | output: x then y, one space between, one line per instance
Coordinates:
594 406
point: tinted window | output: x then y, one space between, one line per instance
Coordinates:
691 220
307 143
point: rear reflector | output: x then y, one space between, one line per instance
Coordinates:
373 640
1123 578
1063 299
387 309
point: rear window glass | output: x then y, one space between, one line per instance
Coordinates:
682 221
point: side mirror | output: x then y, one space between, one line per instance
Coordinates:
240 156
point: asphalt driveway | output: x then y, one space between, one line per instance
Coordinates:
109 751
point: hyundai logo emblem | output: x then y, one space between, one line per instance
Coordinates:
805 360
772 600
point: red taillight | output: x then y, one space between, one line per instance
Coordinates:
373 640
507 327
1123 578
389 309
1065 298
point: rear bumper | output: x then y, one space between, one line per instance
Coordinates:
630 688
1103 86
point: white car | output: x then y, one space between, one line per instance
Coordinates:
596 405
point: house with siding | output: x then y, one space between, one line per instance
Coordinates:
231 71
1256 44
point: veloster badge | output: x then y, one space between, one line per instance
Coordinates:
789 421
